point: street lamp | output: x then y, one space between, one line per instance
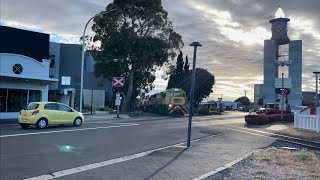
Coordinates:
317 95
195 45
83 49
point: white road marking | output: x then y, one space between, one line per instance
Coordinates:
106 163
69 130
204 176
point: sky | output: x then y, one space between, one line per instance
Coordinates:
232 33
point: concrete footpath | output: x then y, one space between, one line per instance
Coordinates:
177 161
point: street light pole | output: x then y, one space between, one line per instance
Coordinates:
83 52
195 45
316 93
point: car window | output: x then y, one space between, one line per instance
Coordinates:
63 108
32 106
51 106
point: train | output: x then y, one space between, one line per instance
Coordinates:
170 102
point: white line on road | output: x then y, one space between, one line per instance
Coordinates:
106 163
69 130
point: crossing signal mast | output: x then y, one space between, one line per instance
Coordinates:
285 90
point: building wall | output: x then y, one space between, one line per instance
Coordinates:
269 71
70 64
98 98
28 43
258 93
30 67
55 50
295 73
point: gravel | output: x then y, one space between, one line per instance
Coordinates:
275 163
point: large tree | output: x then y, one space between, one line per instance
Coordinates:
243 101
136 38
181 78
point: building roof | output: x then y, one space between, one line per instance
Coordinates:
279 13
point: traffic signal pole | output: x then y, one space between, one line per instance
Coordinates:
282 97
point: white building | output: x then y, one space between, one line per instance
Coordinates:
24 69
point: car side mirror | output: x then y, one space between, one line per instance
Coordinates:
71 110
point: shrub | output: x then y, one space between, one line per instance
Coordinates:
267 118
87 107
215 112
105 108
204 112
257 119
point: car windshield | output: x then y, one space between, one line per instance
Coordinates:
32 106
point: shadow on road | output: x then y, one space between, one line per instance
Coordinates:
166 165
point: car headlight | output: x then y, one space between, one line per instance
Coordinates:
170 105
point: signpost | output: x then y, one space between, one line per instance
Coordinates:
118 82
118 102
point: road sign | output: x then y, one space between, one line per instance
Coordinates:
118 103
117 81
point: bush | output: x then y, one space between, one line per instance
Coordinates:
257 119
87 107
262 119
105 108
204 112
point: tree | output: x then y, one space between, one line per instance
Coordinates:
243 100
135 39
182 79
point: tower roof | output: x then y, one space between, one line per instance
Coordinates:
279 13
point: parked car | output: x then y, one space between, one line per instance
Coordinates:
268 111
42 114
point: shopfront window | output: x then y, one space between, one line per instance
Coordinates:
16 99
13 100
3 97
34 96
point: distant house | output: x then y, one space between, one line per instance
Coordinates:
228 105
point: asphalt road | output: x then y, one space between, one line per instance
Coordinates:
26 153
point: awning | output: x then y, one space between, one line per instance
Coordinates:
28 80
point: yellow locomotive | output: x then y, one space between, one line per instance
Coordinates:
171 101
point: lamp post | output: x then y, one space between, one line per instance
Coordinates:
316 94
83 50
195 45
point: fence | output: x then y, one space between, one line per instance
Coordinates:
307 122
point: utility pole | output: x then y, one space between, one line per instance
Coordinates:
316 93
282 96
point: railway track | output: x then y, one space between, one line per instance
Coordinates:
290 139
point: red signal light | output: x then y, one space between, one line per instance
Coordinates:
286 91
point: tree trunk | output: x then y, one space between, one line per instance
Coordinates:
126 104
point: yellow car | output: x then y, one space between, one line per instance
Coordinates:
42 114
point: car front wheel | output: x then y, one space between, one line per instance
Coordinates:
77 122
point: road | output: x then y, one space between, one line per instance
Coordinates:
27 153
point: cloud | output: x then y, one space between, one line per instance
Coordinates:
231 31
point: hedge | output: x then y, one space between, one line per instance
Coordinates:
267 118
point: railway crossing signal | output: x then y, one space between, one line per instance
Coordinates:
117 81
285 90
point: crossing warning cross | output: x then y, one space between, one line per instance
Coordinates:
117 81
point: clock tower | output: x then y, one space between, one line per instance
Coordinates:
282 66
279 27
